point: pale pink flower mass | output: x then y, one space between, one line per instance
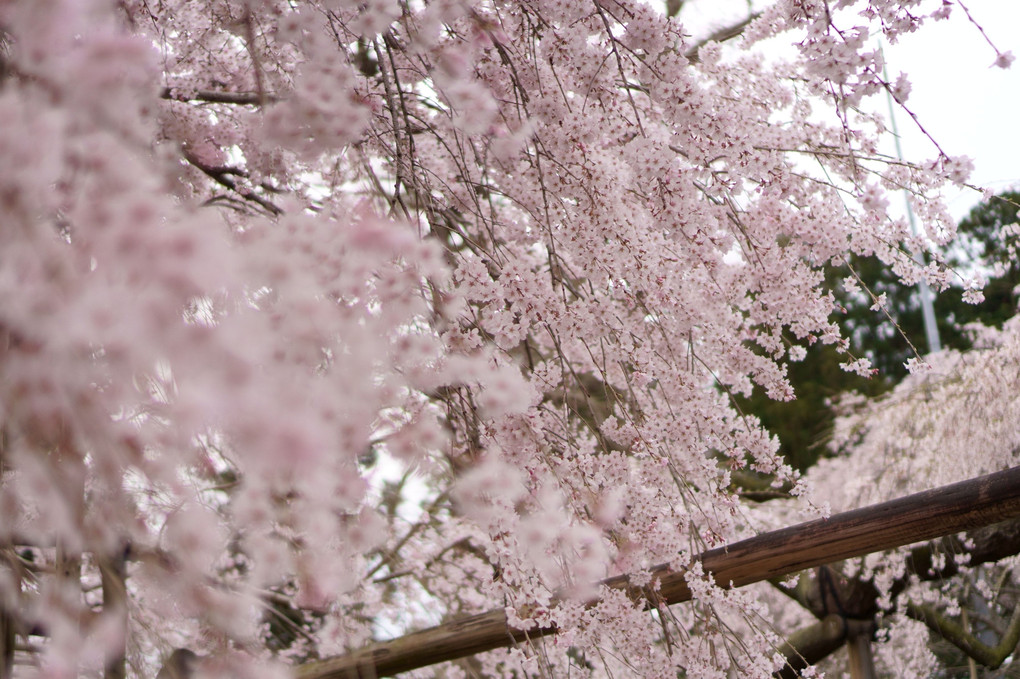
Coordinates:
323 322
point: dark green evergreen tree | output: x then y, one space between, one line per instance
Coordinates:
889 337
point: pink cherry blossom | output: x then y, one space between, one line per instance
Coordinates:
323 322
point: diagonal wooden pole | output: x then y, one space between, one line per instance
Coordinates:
915 518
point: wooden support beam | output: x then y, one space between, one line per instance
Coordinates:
113 576
8 639
923 516
813 644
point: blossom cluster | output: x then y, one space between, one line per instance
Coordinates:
327 320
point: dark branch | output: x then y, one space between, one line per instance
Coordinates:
858 599
214 97
224 176
955 633
814 643
721 35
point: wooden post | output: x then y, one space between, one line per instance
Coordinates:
8 637
811 644
923 516
8 634
113 573
858 646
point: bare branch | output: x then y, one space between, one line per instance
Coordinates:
955 633
224 177
721 35
215 97
814 643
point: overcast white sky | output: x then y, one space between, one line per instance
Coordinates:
968 106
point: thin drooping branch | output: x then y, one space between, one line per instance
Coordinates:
923 516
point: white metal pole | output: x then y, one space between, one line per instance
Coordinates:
931 329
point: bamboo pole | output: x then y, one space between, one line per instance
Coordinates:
923 516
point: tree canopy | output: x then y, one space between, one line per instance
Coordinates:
327 321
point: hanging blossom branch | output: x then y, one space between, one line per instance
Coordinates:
923 516
597 237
